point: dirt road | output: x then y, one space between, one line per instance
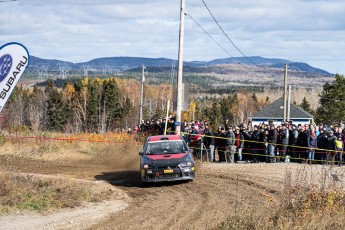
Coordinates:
219 189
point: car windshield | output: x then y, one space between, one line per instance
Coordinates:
166 147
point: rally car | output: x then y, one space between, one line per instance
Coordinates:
166 158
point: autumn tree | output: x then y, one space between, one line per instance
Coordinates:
68 95
81 100
18 108
36 108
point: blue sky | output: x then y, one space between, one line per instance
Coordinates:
311 31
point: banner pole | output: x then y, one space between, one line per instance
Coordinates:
166 118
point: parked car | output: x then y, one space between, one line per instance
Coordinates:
166 158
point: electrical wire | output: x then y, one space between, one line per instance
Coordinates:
229 53
208 9
9 0
218 43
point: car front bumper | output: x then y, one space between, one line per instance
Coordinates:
160 175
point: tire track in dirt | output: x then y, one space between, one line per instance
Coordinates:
173 205
194 205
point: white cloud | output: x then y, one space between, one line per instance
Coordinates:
79 30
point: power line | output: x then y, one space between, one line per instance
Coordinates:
233 56
218 43
9 0
228 36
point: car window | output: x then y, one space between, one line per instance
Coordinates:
166 147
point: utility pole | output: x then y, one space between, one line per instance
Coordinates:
285 91
142 95
289 103
180 68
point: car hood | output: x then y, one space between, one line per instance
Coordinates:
168 159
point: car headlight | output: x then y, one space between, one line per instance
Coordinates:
186 164
147 163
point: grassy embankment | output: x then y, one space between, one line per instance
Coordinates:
309 200
20 191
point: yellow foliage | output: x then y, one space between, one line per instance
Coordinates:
85 81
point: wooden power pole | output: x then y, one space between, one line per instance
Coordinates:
285 92
142 95
180 69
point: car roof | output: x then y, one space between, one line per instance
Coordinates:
165 138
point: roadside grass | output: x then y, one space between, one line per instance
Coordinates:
19 193
32 144
309 200
59 145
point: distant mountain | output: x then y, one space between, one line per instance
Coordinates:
125 63
35 61
249 61
300 66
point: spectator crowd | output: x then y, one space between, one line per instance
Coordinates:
267 142
259 143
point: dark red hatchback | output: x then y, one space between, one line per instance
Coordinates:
166 158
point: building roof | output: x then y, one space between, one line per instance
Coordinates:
276 110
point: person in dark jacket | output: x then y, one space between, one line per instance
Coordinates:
302 142
293 137
209 142
229 145
246 144
263 145
312 145
255 138
272 140
322 145
331 146
221 145
284 141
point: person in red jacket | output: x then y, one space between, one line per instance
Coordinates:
239 143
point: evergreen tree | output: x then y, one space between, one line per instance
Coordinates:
158 112
227 104
255 98
332 102
93 106
305 105
56 114
267 100
111 106
216 118
255 101
127 107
